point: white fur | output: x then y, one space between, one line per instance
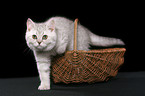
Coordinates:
59 40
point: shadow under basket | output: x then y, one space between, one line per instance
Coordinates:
78 66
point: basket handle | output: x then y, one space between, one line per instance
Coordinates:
75 34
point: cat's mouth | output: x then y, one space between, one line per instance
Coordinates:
39 47
43 47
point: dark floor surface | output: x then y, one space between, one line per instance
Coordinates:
124 84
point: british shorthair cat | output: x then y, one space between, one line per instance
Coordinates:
55 36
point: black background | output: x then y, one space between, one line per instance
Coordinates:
120 20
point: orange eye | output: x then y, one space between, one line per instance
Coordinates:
44 37
34 36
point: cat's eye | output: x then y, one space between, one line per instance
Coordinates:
34 36
44 37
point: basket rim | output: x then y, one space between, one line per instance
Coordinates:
99 50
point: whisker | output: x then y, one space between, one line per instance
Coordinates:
26 51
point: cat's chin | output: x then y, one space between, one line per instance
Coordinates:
41 48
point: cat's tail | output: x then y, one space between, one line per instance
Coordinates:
104 41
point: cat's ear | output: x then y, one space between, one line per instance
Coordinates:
51 25
30 24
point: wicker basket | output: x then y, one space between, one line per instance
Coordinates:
79 66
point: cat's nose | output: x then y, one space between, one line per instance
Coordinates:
39 42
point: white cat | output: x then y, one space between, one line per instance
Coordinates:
55 36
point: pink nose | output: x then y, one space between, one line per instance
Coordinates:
39 42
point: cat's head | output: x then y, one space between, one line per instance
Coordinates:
41 36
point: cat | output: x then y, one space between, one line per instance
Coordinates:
55 36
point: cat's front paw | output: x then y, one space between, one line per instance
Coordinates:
44 87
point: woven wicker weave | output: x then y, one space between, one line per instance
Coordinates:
79 66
